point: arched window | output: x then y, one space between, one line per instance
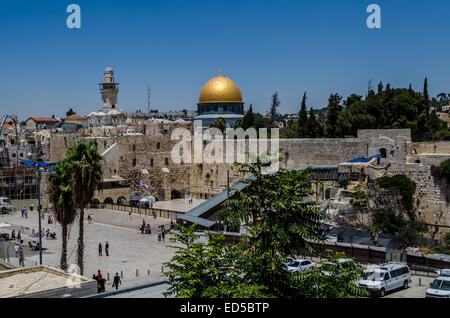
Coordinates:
383 153
158 145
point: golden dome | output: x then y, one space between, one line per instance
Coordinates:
220 89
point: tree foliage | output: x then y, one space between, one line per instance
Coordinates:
61 197
396 222
334 278
400 182
86 177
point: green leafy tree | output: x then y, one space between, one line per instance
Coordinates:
334 278
445 244
220 123
86 177
283 221
333 110
273 112
405 185
70 112
396 222
444 170
60 195
206 269
303 119
313 127
359 199
249 119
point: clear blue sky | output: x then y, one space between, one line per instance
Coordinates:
177 46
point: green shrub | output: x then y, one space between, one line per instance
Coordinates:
400 182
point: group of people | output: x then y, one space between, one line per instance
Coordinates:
101 282
90 218
24 213
100 249
13 236
50 235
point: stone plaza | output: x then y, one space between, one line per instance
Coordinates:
139 257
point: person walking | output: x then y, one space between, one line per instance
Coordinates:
163 232
129 216
154 215
13 235
117 281
16 249
100 249
19 237
159 234
23 212
107 248
21 257
143 226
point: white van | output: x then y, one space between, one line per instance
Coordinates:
440 288
5 205
381 279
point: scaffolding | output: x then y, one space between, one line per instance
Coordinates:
18 184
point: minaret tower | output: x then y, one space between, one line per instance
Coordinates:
109 91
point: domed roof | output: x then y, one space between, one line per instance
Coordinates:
220 89
108 69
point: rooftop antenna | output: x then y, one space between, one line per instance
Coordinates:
149 95
220 71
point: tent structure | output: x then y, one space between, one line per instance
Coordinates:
38 164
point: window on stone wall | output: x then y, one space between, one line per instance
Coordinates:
383 152
166 161
151 162
158 145
134 147
134 162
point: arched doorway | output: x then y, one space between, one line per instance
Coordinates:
121 200
175 194
95 204
108 201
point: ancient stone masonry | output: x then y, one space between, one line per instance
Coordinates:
147 157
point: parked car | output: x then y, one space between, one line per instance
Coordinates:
440 288
300 265
5 205
381 279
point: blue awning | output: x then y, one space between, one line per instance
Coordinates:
362 159
38 164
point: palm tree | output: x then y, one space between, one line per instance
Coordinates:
86 176
61 197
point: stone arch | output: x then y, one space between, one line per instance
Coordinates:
175 194
121 200
95 203
108 200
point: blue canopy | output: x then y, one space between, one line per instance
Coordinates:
139 198
361 159
38 164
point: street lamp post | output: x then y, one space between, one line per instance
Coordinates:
39 215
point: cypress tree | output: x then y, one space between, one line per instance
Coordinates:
303 118
333 109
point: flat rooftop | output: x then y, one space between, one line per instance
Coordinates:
20 282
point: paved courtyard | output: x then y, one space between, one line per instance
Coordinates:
129 249
181 205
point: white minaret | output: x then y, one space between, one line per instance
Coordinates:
109 91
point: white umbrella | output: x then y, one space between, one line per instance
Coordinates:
151 198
